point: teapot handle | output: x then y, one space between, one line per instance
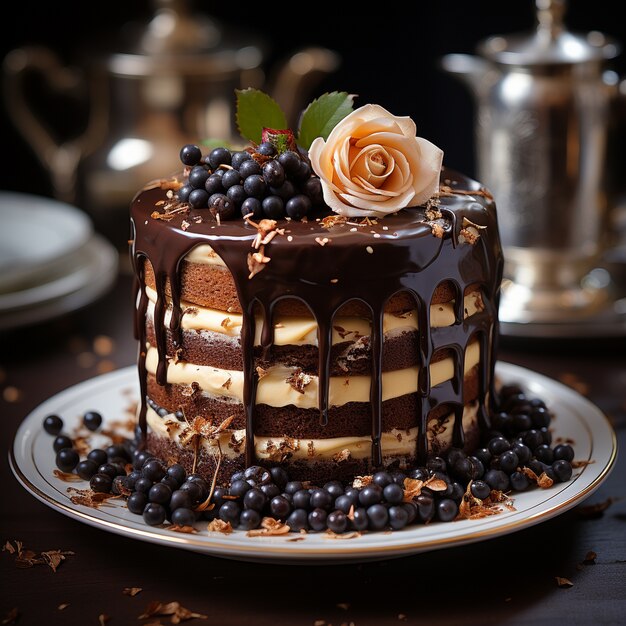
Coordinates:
60 159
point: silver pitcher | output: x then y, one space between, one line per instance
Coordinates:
173 84
542 122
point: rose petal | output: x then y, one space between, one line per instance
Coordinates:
426 181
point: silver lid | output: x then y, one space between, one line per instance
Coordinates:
176 41
550 44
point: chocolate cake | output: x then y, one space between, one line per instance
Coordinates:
330 345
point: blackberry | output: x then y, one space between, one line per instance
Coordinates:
230 178
53 424
213 184
198 198
393 494
273 207
563 452
398 517
198 177
238 158
337 521
378 516
447 510
154 514
298 520
266 149
219 156
86 469
60 442
249 168
67 459
273 173
249 519
370 495
183 517
101 483
190 154
298 206
318 519
562 470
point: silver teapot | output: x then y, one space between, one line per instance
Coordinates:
175 84
543 115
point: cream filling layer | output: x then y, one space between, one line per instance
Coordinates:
282 386
394 443
205 255
297 331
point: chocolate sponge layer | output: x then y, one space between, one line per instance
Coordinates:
213 286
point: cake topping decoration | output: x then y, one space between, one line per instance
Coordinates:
373 164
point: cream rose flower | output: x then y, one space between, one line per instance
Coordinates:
373 164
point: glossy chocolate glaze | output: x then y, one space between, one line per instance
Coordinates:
369 263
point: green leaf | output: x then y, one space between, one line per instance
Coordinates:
322 115
256 110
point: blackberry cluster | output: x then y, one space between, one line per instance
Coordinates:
259 182
520 440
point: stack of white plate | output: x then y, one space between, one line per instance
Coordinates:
51 260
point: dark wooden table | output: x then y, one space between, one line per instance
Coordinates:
504 580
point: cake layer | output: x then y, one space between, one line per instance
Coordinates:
306 459
213 286
353 417
281 386
302 330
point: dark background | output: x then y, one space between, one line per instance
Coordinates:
390 56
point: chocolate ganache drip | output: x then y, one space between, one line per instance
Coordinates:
411 252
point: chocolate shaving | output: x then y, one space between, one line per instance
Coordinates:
469 235
178 612
446 190
269 527
341 456
590 558
220 526
544 481
103 619
8 547
437 230
186 530
63 606
412 488
362 481
189 390
67 477
89 498
298 380
436 484
563 582
131 591
283 450
333 220
28 558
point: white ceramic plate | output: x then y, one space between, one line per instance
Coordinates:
93 270
37 233
32 461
